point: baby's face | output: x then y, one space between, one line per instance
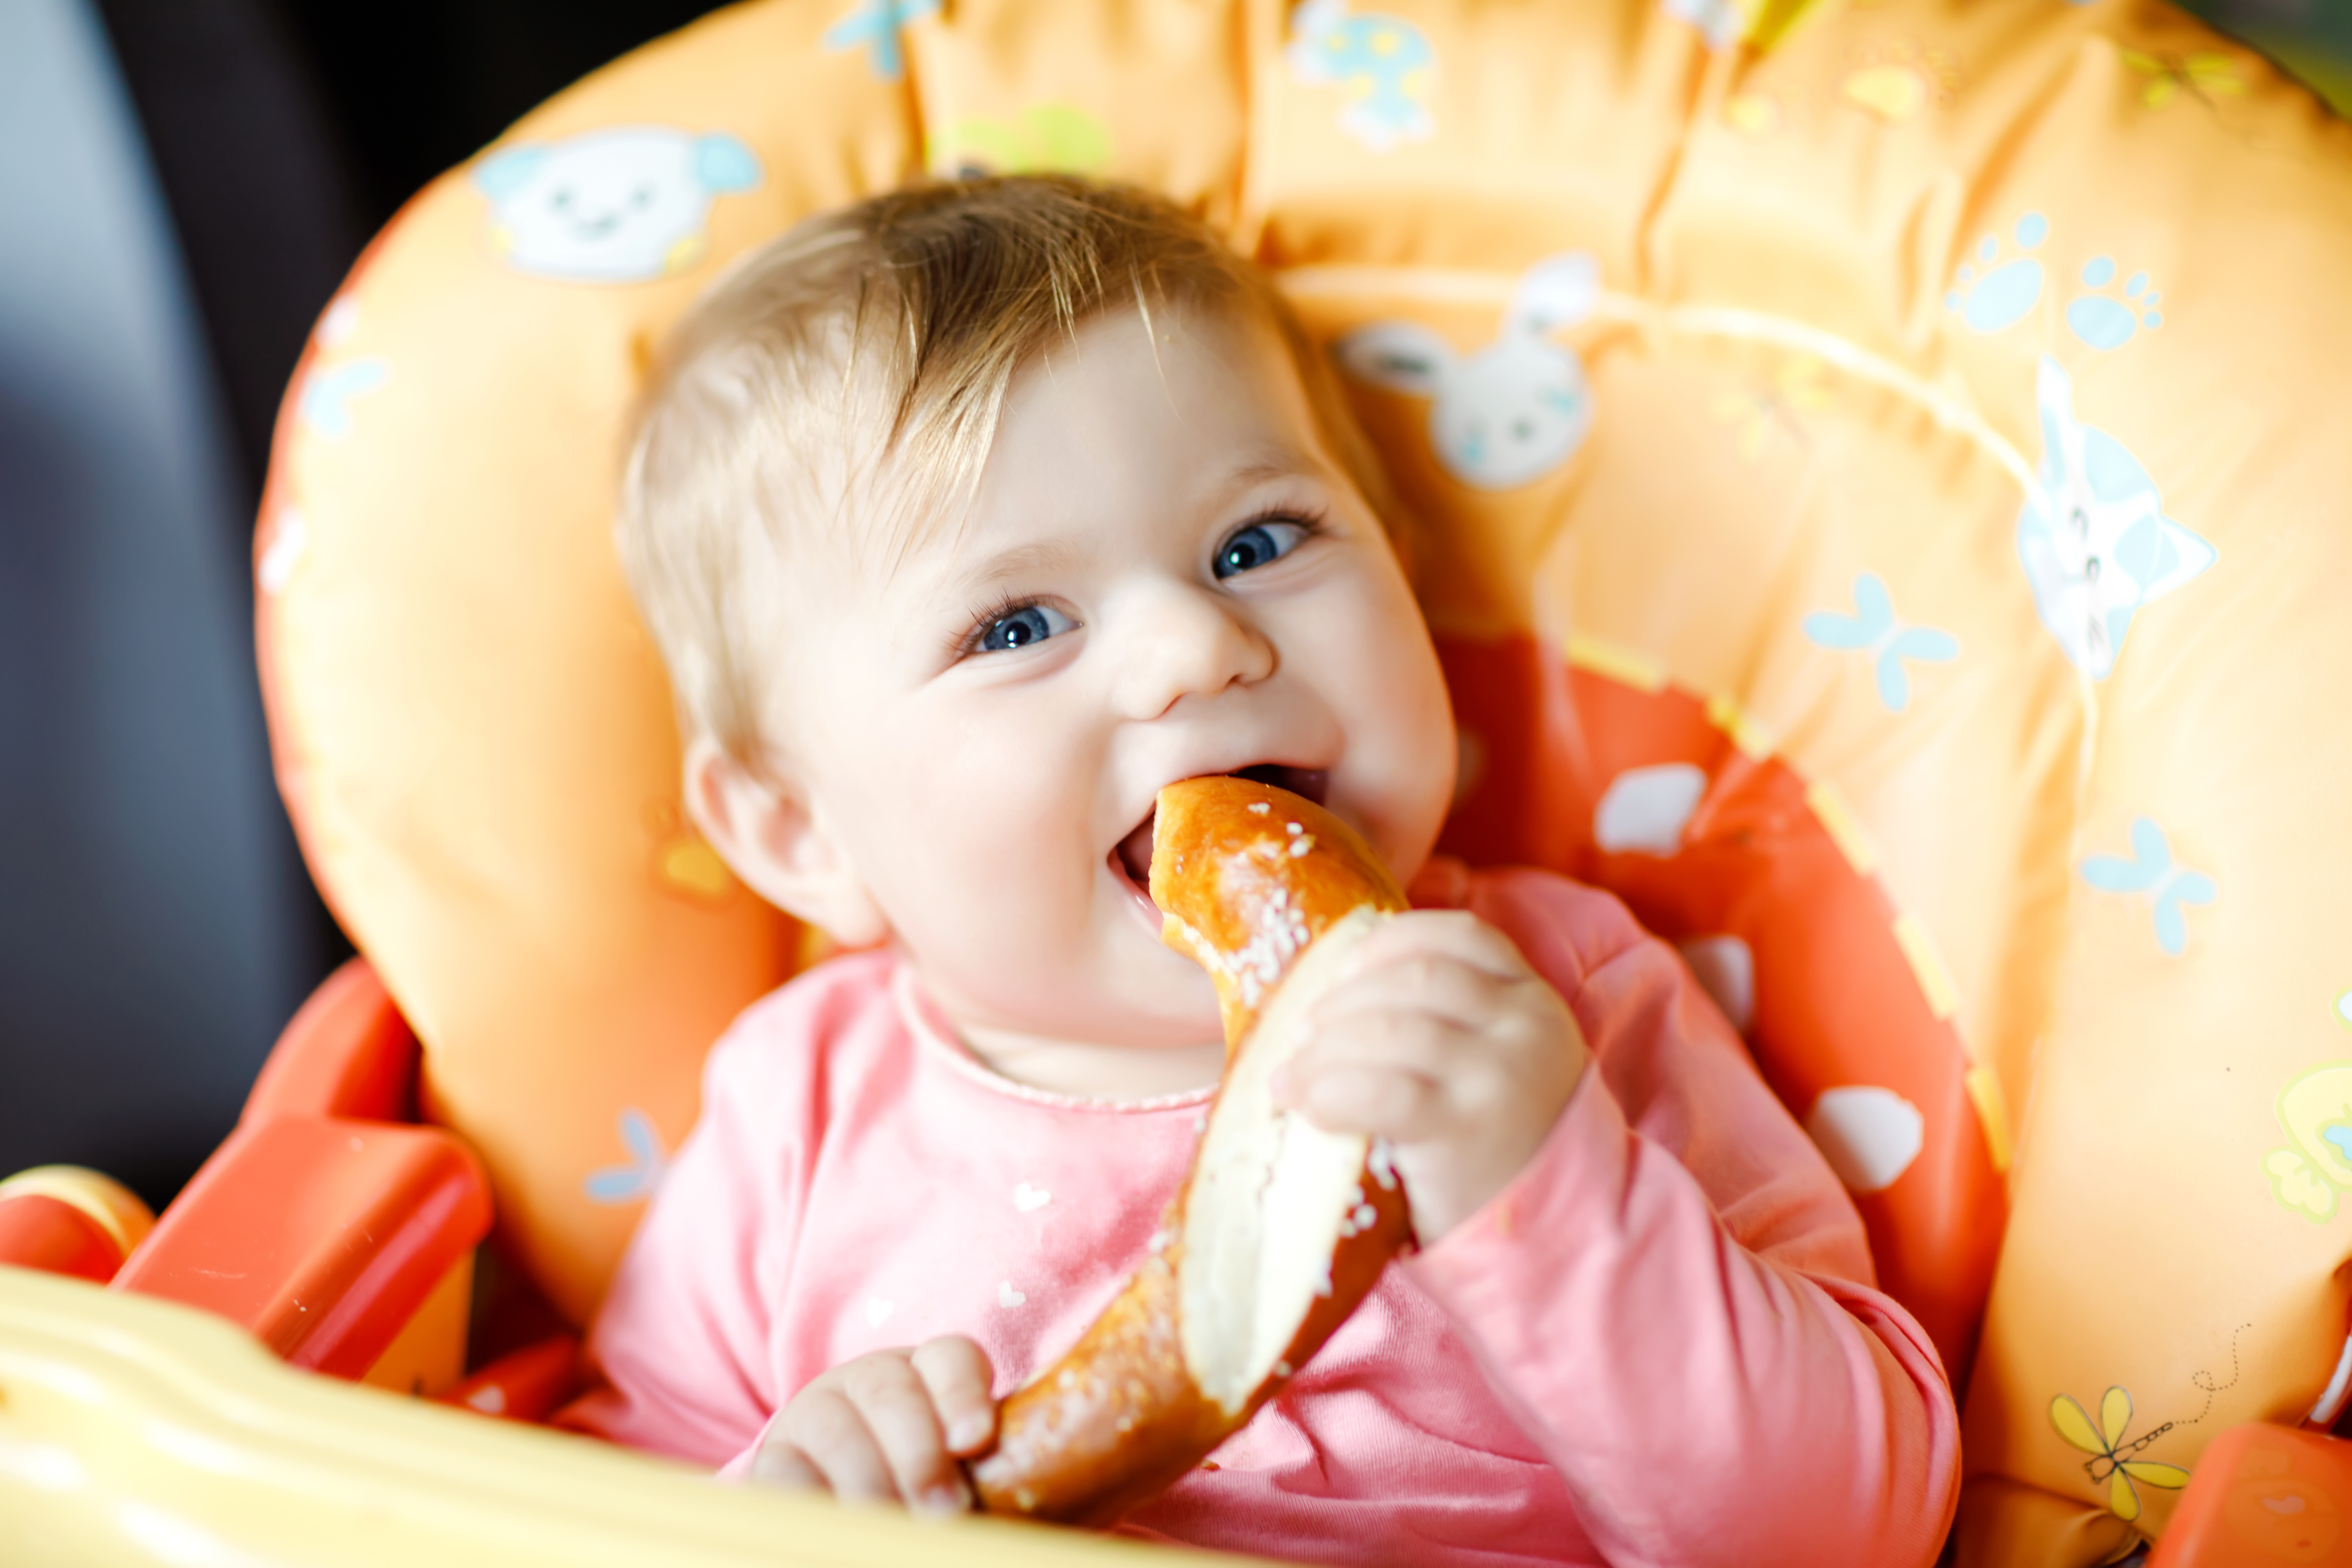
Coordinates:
1163 574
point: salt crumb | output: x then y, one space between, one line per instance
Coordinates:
1259 808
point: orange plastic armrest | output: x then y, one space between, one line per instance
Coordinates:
2264 1494
62 1219
527 1384
320 1225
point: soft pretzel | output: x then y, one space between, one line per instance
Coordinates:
1280 1227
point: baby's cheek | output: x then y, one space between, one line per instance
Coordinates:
993 873
1385 683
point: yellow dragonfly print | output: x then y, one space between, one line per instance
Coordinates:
1799 387
2111 1460
2204 77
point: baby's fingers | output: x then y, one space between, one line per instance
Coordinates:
1419 981
1374 1098
895 1406
823 1434
955 1373
779 1464
1448 933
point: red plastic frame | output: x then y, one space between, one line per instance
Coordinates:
326 1217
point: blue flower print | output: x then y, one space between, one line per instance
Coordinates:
2150 872
639 1178
1874 629
327 394
1722 22
874 24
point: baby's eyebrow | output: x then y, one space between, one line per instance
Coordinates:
1281 463
1021 560
1049 555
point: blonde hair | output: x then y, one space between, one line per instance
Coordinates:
867 352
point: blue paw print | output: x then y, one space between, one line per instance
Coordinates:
1874 629
1998 299
639 1178
2105 322
2150 871
874 24
327 395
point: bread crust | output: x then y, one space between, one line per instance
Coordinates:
1248 878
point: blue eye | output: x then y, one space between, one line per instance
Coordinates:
1251 547
1023 627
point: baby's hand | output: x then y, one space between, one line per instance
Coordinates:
887 1427
1439 1038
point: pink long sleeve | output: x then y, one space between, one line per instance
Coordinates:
1660 1346
1677 1288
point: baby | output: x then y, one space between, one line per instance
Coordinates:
967 519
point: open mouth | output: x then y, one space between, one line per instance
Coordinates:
1132 857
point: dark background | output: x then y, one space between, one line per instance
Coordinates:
139 992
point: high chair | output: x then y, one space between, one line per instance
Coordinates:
1874 472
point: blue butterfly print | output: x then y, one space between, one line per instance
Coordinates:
876 24
1874 629
327 394
2150 870
639 1178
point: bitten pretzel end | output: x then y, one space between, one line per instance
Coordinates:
1280 1227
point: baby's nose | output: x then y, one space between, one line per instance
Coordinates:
1182 641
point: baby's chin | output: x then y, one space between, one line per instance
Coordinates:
1134 993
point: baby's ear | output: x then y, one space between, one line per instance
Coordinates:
776 840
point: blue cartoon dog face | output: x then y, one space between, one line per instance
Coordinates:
622 206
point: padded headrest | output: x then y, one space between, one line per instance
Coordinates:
1886 501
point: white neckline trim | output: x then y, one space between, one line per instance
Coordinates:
958 1059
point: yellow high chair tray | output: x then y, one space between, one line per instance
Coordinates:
1875 471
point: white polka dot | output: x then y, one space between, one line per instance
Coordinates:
1646 810
1725 970
1007 1297
288 541
1027 1198
1869 1134
2344 1009
342 319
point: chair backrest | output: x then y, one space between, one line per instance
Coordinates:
1881 513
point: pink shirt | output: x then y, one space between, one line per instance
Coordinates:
1661 1345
